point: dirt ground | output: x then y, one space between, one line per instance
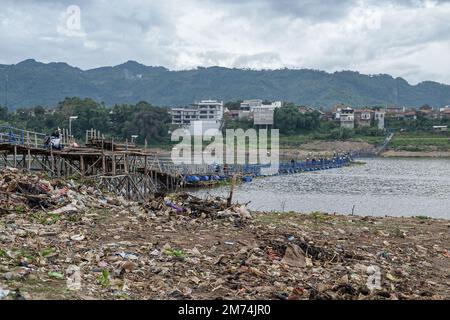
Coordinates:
325 149
181 248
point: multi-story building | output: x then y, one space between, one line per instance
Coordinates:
369 117
393 111
199 117
263 117
205 110
346 117
444 113
250 107
364 117
379 118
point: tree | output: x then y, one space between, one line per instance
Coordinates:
290 121
233 105
3 113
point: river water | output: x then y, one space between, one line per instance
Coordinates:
395 187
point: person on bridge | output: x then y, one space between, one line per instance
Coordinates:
54 140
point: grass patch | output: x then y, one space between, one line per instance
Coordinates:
319 217
20 209
45 218
56 275
47 252
175 253
420 141
103 279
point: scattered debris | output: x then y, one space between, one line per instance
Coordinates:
69 240
294 256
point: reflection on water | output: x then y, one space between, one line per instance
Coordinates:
397 187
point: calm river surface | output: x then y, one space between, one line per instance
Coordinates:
395 187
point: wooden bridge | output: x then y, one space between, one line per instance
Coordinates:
124 168
120 167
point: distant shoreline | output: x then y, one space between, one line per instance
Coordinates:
415 154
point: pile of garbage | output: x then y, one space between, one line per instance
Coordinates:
195 207
24 192
67 240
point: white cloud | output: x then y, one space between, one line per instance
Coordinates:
408 38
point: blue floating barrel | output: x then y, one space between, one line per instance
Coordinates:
192 179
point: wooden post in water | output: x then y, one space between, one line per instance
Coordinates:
230 198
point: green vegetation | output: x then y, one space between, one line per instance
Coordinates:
103 279
421 123
32 83
290 121
20 208
422 218
47 252
56 275
421 141
153 124
175 253
120 121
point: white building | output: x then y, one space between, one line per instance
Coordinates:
262 113
199 116
205 110
263 117
346 117
444 109
379 118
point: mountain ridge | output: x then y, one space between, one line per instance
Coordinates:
32 83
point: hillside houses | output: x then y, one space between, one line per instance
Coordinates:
262 113
351 118
404 113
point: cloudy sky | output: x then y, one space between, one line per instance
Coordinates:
407 38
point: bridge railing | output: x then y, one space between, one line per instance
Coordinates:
21 137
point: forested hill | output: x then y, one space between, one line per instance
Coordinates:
32 83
